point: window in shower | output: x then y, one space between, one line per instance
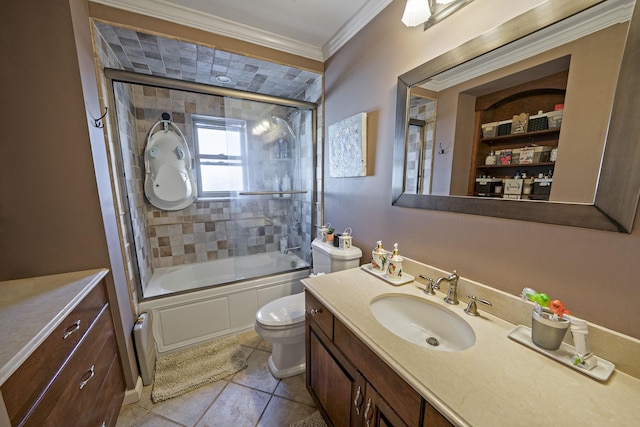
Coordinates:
220 158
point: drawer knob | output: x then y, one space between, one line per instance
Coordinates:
71 329
91 372
315 311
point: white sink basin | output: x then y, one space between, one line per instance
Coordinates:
422 322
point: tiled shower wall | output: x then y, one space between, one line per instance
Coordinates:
207 229
215 229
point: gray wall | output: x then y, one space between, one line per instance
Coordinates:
594 273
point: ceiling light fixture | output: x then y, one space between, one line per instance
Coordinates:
416 12
223 79
430 12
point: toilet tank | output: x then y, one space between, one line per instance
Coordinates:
327 258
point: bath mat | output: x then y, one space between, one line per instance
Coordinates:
313 420
181 372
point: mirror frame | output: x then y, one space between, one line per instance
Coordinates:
618 189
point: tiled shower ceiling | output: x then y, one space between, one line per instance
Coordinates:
164 57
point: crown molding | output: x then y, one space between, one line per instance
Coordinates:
369 11
170 12
580 25
167 11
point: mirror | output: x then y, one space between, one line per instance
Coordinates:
617 187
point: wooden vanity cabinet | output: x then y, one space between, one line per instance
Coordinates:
334 383
351 385
74 378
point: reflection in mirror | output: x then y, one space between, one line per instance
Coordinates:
553 90
420 142
493 116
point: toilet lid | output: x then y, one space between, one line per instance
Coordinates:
282 311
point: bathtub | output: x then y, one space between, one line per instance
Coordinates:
194 303
167 280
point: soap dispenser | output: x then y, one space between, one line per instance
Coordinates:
395 265
379 258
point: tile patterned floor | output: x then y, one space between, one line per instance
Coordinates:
251 397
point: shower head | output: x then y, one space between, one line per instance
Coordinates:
273 129
279 120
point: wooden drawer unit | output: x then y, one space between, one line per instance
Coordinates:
75 376
404 400
109 406
320 315
47 360
72 397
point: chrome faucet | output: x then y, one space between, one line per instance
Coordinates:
452 293
288 250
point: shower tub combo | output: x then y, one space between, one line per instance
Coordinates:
235 178
193 303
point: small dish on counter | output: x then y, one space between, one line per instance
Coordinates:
405 278
602 371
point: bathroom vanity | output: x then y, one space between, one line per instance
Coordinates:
361 374
352 384
59 362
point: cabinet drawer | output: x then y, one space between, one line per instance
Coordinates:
36 373
71 398
319 314
109 401
404 400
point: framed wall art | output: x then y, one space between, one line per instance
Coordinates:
347 142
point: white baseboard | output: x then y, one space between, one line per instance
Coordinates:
132 396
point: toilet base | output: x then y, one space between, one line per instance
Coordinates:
287 360
285 373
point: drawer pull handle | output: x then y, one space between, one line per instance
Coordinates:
315 311
366 412
357 402
91 372
71 329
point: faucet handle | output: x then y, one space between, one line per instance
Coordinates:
430 286
472 308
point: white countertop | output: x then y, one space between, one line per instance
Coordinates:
30 309
496 382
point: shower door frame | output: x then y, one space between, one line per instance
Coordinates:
113 75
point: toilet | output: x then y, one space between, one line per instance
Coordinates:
281 321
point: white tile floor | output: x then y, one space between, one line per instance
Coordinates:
252 397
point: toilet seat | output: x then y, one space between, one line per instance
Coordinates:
282 312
